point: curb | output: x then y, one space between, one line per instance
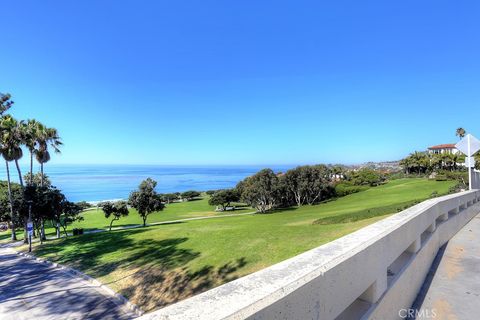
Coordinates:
117 297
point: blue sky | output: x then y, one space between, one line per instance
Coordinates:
243 82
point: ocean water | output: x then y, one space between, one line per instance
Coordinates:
107 182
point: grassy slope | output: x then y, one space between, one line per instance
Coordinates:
158 265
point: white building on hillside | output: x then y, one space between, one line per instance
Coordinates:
448 148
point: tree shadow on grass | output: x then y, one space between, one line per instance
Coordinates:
88 252
155 287
164 223
151 273
5 235
279 210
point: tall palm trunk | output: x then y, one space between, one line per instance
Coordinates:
31 167
25 236
10 199
42 233
19 173
41 174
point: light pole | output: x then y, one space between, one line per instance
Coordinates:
29 194
29 225
469 150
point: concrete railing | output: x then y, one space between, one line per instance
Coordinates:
475 179
369 274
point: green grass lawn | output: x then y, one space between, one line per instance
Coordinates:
95 219
159 265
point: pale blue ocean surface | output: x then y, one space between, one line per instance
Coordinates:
107 182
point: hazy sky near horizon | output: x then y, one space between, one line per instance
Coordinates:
243 82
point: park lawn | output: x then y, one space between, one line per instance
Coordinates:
159 265
95 219
199 207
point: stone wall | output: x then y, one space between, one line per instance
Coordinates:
369 274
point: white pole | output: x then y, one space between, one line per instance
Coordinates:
469 164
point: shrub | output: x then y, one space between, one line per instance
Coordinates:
366 176
223 198
211 192
189 195
457 188
344 189
461 176
84 205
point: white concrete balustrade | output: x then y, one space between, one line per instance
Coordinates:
370 274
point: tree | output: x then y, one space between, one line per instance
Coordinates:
460 132
37 138
12 140
70 213
169 197
31 134
146 200
11 197
46 137
261 190
367 176
294 185
38 179
51 204
319 182
189 195
308 184
47 205
83 205
115 209
417 162
11 150
211 192
337 172
6 102
223 198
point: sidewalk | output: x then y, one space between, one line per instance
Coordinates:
32 290
452 288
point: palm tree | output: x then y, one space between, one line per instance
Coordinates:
11 150
31 131
46 137
460 132
13 138
5 102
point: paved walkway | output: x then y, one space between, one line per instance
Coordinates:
452 288
32 290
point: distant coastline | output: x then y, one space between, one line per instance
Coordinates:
96 183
